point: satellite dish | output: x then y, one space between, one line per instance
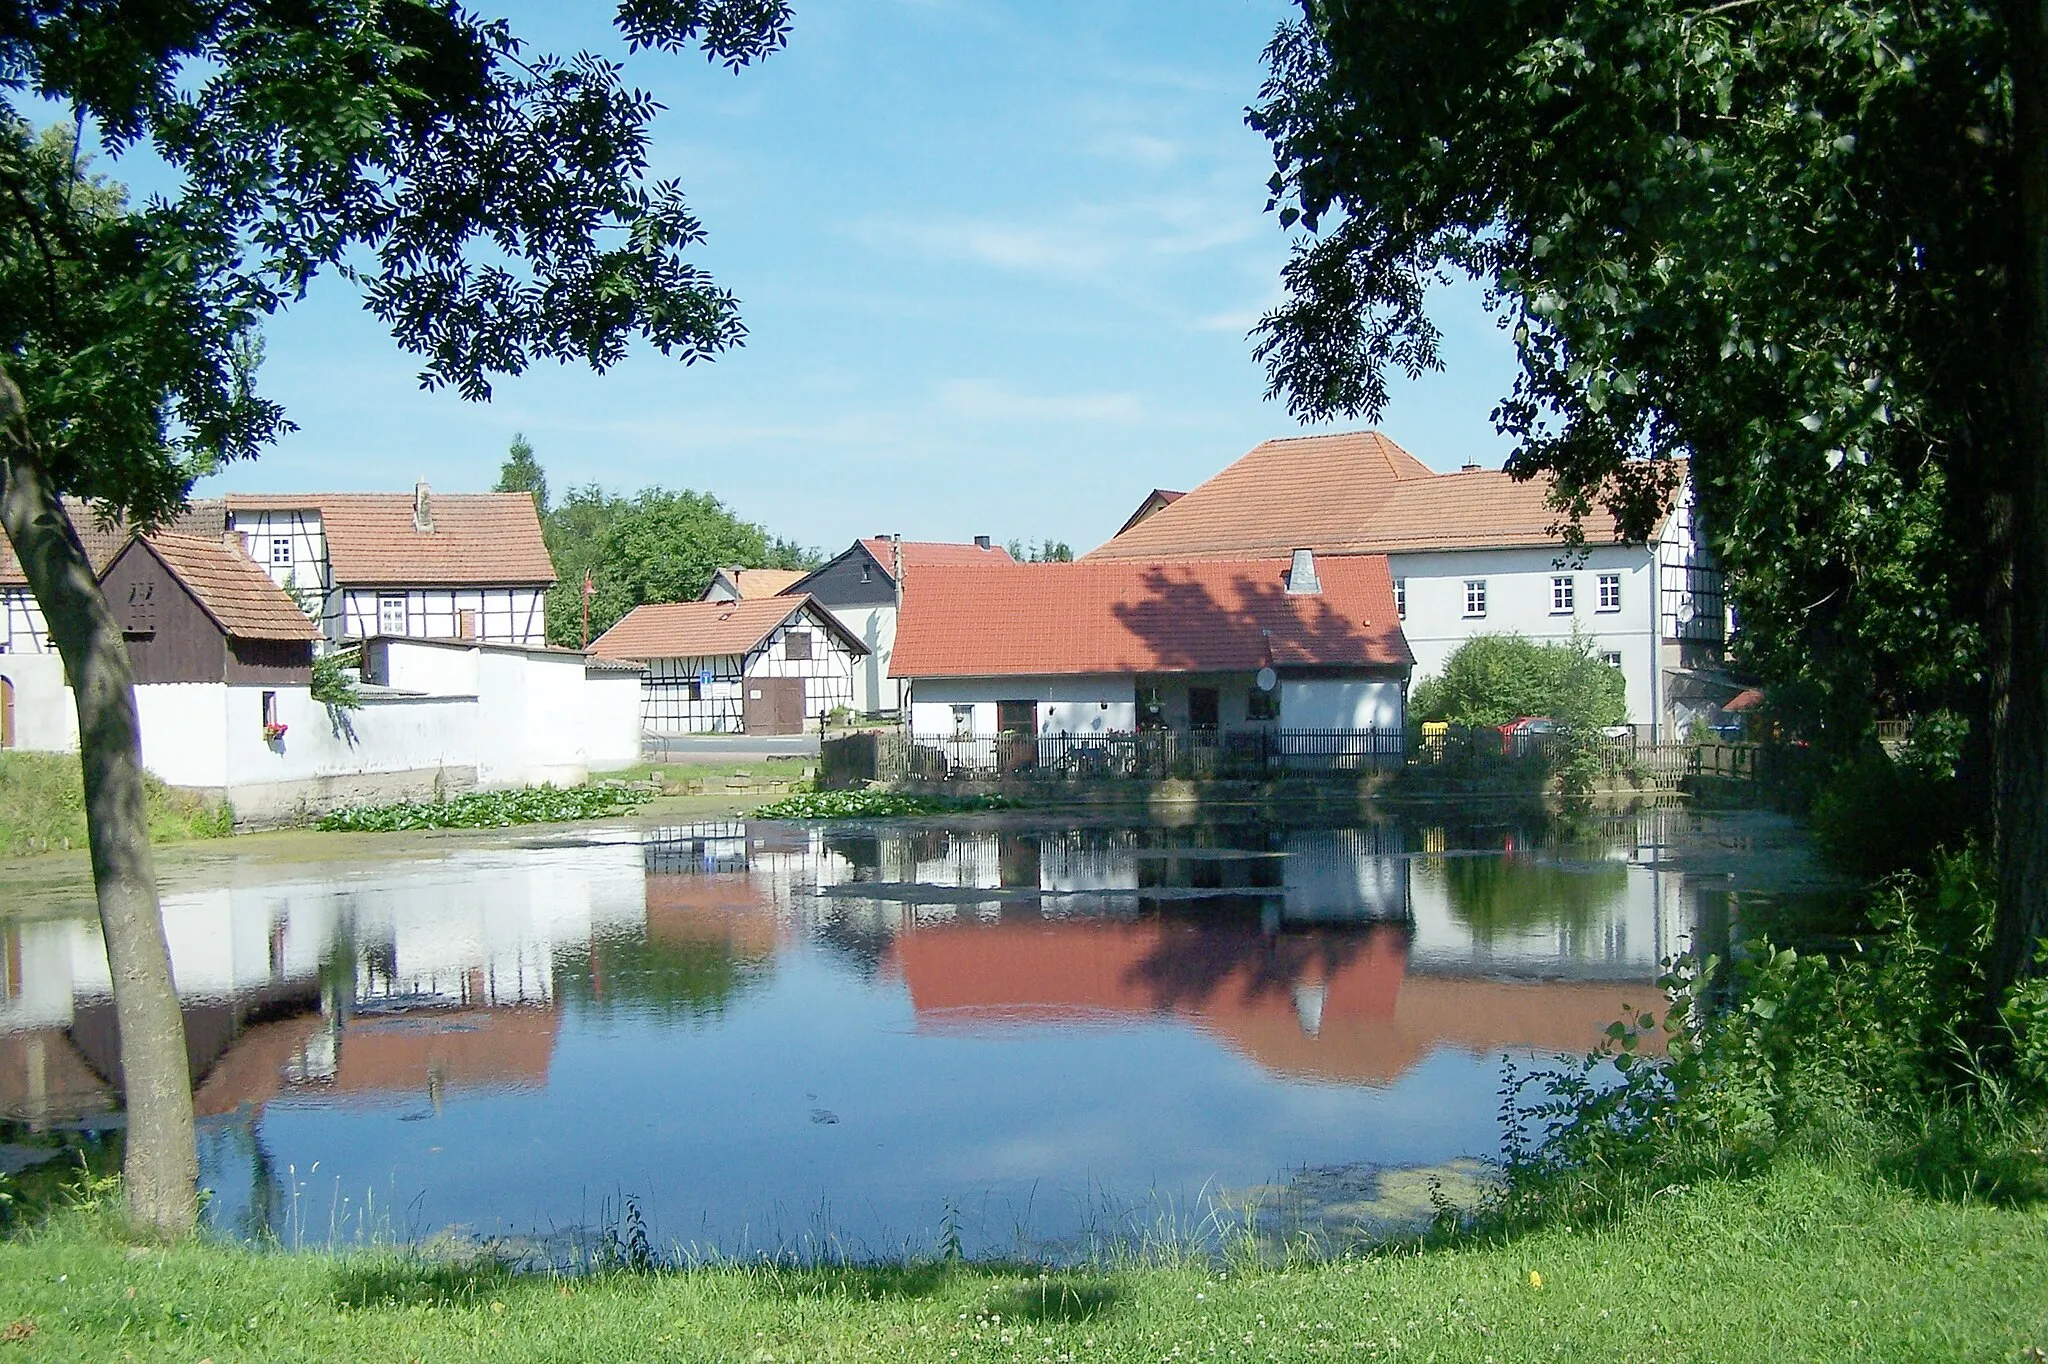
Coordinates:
1268 679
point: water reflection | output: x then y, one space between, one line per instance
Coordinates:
776 1034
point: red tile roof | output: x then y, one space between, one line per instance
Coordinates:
478 539
206 517
707 629
1125 617
239 596
934 553
1356 493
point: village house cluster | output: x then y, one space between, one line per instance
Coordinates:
1301 590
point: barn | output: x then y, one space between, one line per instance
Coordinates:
771 665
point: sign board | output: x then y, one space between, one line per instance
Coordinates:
704 677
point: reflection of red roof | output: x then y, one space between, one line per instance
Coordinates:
43 1076
454 1048
252 1070
1117 617
1332 1006
690 907
1747 699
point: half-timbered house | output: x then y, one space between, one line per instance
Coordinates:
766 666
423 565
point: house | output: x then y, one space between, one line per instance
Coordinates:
22 629
737 584
422 565
1472 552
1156 500
763 666
859 587
223 662
1116 646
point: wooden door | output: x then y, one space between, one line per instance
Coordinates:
772 705
6 713
1017 735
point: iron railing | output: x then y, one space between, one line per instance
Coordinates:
1150 753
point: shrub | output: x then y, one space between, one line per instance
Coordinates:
1493 679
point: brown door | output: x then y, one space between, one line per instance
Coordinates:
6 713
772 705
1017 728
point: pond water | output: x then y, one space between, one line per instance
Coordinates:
1034 1033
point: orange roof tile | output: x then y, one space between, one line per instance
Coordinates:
707 629
754 583
483 539
1124 617
239 596
935 553
206 517
1356 493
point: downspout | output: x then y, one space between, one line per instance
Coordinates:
1656 638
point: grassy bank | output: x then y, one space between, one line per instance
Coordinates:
1798 1264
42 807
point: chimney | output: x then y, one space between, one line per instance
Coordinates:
422 509
981 542
1468 468
1301 574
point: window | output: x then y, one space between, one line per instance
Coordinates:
796 646
963 722
1475 596
1612 660
281 550
1610 591
1203 708
390 615
141 609
1561 596
1401 598
867 573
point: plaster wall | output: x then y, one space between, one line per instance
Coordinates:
1066 705
1327 703
45 715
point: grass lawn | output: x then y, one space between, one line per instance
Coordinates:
1799 1265
42 807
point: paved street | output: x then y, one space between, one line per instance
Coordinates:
726 748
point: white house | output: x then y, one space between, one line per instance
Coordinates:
764 666
421 565
859 588
1470 553
1121 646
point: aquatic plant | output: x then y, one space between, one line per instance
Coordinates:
489 809
874 804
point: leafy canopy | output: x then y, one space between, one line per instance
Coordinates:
492 203
521 473
1767 238
1493 679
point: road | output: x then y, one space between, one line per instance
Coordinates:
728 748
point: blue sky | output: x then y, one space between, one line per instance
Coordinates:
997 258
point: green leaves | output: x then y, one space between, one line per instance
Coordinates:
489 809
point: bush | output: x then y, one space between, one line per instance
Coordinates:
42 807
489 809
1878 1055
1493 679
874 804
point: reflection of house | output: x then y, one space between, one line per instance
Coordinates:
1471 553
764 666
421 564
1321 1005
1112 647
859 588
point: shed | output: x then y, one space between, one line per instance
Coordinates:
199 610
765 666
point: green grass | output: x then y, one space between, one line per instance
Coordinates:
1802 1264
488 809
874 804
42 807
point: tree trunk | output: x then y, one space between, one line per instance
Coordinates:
160 1168
2022 729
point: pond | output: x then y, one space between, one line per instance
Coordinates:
1037 1034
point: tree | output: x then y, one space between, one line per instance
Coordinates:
1046 551
490 202
1492 679
656 546
1801 247
521 473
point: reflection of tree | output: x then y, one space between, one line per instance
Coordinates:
679 978
1497 896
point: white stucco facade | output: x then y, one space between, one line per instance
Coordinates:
967 707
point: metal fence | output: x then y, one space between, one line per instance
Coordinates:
1150 753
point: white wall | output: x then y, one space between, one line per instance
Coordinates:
1518 601
874 691
611 720
503 615
45 715
22 628
1067 705
1323 703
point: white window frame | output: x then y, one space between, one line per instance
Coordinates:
1475 598
386 601
1563 595
1612 658
963 721
1401 598
1610 591
281 543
